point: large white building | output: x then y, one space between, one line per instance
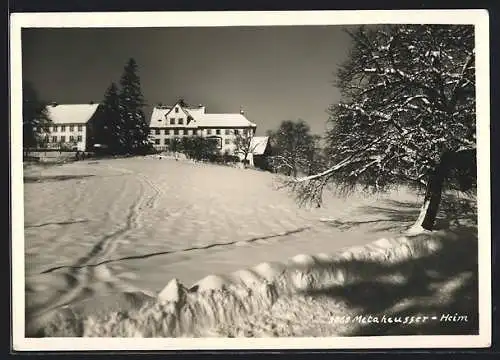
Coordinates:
177 121
69 128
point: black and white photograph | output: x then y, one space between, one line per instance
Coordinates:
219 180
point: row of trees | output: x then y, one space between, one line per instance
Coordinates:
407 115
208 148
120 126
195 147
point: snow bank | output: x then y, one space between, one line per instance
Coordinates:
168 155
223 299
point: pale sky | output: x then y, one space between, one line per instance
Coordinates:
275 73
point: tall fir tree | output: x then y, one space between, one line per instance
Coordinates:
134 128
106 130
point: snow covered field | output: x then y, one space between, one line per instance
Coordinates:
103 238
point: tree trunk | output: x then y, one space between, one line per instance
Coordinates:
433 193
245 161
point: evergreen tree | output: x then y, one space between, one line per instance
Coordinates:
134 128
106 129
35 117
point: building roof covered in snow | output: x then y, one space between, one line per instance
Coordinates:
225 120
258 144
71 113
199 117
196 112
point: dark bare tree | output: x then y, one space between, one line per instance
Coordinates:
35 117
293 144
243 145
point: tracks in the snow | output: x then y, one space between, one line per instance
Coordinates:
85 267
108 243
144 256
141 206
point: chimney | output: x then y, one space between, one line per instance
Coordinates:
242 112
53 104
91 102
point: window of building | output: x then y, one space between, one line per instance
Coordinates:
176 109
157 132
80 128
63 139
157 141
47 139
172 121
227 132
227 141
236 131
54 128
79 138
181 121
167 141
209 131
54 139
244 132
71 128
176 132
181 132
217 132
71 138
63 128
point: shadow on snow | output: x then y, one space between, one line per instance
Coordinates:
444 283
395 215
39 179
